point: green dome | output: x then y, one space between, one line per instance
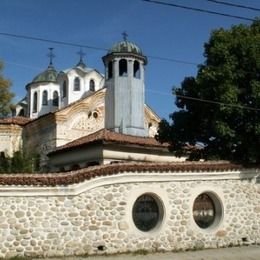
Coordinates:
49 75
126 47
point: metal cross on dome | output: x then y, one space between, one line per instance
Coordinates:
81 54
51 55
125 35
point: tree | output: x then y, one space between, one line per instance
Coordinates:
5 94
21 162
220 107
4 163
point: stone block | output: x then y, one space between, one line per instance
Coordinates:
83 213
11 221
80 205
257 209
107 223
23 231
177 201
52 236
44 207
64 223
109 196
185 206
35 234
91 206
93 227
123 225
33 243
221 233
121 235
73 214
19 214
76 222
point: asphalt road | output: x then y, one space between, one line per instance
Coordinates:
235 253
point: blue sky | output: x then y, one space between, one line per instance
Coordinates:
158 30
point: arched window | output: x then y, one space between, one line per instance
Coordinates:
45 98
64 89
92 85
35 102
21 113
123 67
137 73
55 100
77 84
110 70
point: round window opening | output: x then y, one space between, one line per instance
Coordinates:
147 212
207 210
95 115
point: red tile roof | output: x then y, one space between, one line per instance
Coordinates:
19 120
67 178
105 135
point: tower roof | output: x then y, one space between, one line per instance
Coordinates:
48 75
81 63
125 47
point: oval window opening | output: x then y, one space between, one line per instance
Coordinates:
147 212
204 211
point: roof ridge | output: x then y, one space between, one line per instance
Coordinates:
18 120
78 176
107 135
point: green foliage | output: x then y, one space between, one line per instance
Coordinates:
5 95
21 162
230 76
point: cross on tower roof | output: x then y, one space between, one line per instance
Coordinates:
81 55
125 35
81 62
51 55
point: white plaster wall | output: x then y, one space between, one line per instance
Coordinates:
10 139
84 83
39 88
124 100
81 123
60 79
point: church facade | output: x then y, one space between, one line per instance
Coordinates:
114 188
51 90
63 106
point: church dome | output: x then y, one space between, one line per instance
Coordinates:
125 47
49 75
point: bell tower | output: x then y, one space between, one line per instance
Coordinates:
124 101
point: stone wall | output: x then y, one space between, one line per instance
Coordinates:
39 136
95 216
10 138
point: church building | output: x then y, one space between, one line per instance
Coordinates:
107 185
62 107
51 90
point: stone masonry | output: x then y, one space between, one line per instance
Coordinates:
96 216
